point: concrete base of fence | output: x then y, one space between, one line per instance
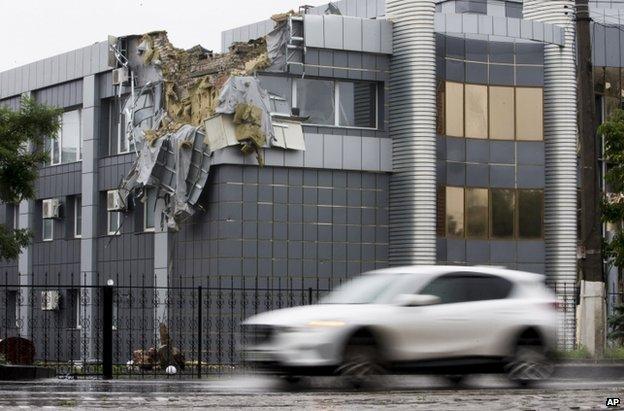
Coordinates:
590 370
25 372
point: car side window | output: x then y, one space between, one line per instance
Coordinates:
487 287
458 287
450 289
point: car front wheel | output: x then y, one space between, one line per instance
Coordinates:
530 364
361 363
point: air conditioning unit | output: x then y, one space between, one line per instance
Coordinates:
121 76
51 208
50 300
114 201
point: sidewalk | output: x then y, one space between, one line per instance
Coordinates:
588 369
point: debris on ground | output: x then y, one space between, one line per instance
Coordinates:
162 357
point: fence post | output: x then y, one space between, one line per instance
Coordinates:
310 295
199 332
107 331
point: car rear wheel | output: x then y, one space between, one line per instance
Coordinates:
529 365
361 363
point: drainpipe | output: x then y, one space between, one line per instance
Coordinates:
560 142
412 100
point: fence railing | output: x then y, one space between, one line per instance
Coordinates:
141 329
130 327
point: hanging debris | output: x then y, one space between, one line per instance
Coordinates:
194 102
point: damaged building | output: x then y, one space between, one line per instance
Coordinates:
316 144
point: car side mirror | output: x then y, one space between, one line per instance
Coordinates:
416 300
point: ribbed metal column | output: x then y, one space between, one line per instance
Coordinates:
560 139
412 100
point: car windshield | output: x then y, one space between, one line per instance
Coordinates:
366 289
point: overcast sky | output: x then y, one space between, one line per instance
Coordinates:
34 29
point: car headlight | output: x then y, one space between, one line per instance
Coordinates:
326 324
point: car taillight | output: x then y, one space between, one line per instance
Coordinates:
555 305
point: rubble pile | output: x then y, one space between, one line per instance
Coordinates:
162 357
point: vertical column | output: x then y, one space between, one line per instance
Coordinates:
412 128
88 242
25 271
560 141
161 265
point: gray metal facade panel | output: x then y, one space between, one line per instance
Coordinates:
85 61
244 231
63 95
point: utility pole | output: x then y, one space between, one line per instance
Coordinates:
592 314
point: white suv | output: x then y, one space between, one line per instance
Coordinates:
447 320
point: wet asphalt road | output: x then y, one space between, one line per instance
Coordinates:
410 393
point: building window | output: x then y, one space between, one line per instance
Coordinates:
337 103
476 201
454 211
149 208
502 118
47 229
77 216
476 111
495 214
357 104
502 213
495 112
529 113
530 213
67 146
471 6
454 111
114 222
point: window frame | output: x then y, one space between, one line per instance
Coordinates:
489 236
459 107
59 141
77 214
146 209
336 96
117 231
43 229
517 215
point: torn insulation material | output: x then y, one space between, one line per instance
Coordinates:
194 102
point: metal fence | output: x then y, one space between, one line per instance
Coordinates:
132 328
196 328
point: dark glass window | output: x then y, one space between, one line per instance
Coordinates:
457 288
450 289
513 10
357 103
315 99
530 210
502 213
486 287
471 6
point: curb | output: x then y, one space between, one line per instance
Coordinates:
24 372
587 370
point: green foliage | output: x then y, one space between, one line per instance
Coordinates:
580 353
616 324
22 139
3 360
613 208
